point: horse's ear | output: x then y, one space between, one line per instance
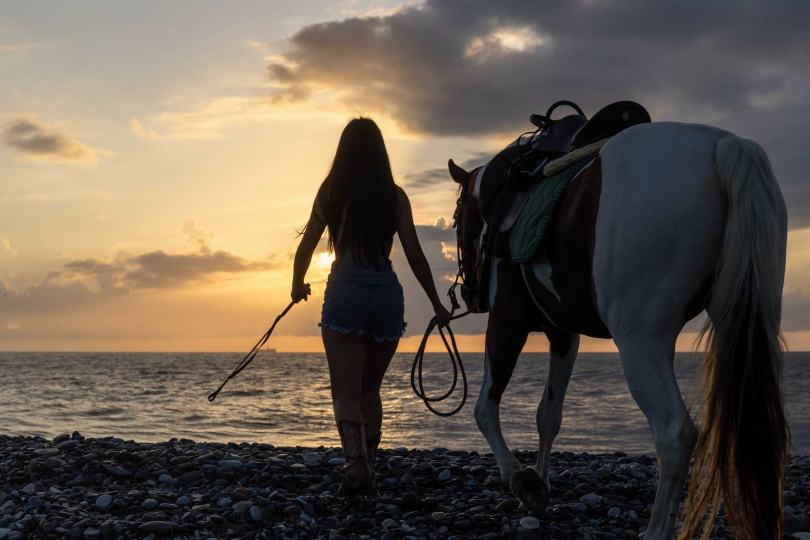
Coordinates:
459 175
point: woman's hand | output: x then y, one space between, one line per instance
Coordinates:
300 291
442 314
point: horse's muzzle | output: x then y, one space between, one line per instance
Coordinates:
472 298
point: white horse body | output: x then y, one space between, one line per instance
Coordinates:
666 223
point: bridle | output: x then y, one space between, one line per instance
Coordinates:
468 277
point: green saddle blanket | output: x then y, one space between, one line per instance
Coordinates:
527 233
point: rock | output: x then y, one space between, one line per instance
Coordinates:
231 463
293 510
115 470
411 501
242 506
581 507
160 528
337 461
34 502
4 532
312 457
530 523
590 498
791 522
29 490
613 512
445 475
507 505
256 513
149 504
68 445
389 524
191 477
182 501
797 536
438 516
61 438
104 501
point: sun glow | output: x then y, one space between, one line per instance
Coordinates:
323 260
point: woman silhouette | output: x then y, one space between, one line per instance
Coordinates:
363 309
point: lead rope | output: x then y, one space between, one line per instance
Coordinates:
251 355
455 358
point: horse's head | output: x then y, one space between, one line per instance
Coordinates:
469 224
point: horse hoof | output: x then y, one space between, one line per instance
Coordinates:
531 490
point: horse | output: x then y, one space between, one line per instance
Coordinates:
670 220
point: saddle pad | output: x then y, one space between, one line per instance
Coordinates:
530 227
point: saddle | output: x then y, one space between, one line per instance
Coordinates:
508 181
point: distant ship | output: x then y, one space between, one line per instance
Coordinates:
267 350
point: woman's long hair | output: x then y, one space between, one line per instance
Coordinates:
360 194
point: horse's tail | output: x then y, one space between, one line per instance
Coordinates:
743 444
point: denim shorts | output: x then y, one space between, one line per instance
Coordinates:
364 301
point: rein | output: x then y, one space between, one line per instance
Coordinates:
470 296
251 355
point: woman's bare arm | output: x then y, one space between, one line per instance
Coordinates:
303 255
416 257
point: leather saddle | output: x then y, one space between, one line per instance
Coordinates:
509 176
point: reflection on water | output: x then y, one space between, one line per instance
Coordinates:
284 399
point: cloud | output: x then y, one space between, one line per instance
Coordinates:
38 141
143 132
19 48
10 251
160 270
480 68
429 178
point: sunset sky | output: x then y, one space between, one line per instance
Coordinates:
156 158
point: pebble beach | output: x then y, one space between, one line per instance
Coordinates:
74 487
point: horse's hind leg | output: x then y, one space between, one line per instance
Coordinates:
531 485
647 362
503 346
563 348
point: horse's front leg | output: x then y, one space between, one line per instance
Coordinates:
503 345
563 348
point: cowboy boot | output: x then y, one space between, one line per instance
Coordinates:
371 448
357 476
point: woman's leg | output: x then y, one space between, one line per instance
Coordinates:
346 356
377 358
345 353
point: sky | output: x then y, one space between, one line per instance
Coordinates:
157 158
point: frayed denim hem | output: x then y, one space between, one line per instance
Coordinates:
363 333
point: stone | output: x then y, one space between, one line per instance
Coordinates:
530 523
149 504
590 498
411 501
104 501
68 445
438 516
190 477
160 528
507 505
614 512
256 513
445 475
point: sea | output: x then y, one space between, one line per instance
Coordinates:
284 399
